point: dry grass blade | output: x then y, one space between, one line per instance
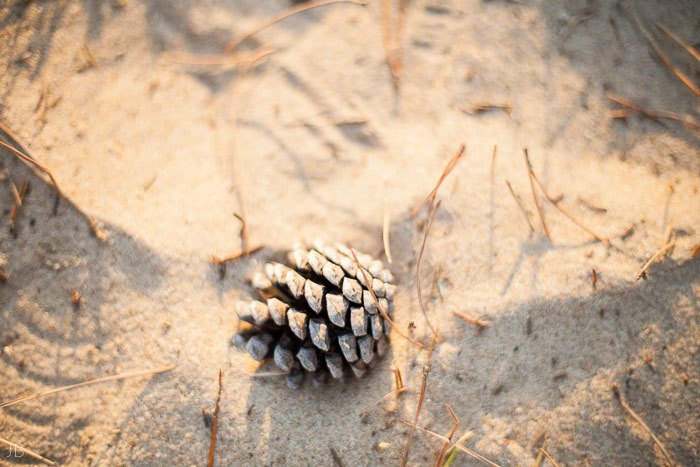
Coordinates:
528 166
385 235
382 311
212 442
520 205
87 383
404 458
680 41
284 15
420 257
24 451
638 419
561 209
474 454
471 319
549 457
443 451
448 168
662 55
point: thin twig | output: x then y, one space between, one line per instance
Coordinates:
549 457
643 272
662 56
19 194
686 120
528 167
226 61
638 419
418 263
680 41
397 376
235 256
379 307
336 458
540 454
385 235
404 458
286 14
87 383
520 205
561 209
443 451
695 251
471 319
474 454
392 41
24 450
448 168
212 442
396 392
29 159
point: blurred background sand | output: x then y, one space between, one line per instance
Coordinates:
314 141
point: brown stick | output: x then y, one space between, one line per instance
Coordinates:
448 168
638 419
471 319
420 257
404 458
87 383
443 451
528 166
24 450
212 442
662 56
520 205
474 454
561 209
286 14
680 41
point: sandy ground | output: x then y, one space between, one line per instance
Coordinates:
314 142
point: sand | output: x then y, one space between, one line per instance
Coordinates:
314 142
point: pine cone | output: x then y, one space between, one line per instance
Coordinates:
319 315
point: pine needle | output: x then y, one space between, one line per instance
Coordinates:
284 15
24 450
446 171
404 458
474 454
638 419
420 257
212 442
87 383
